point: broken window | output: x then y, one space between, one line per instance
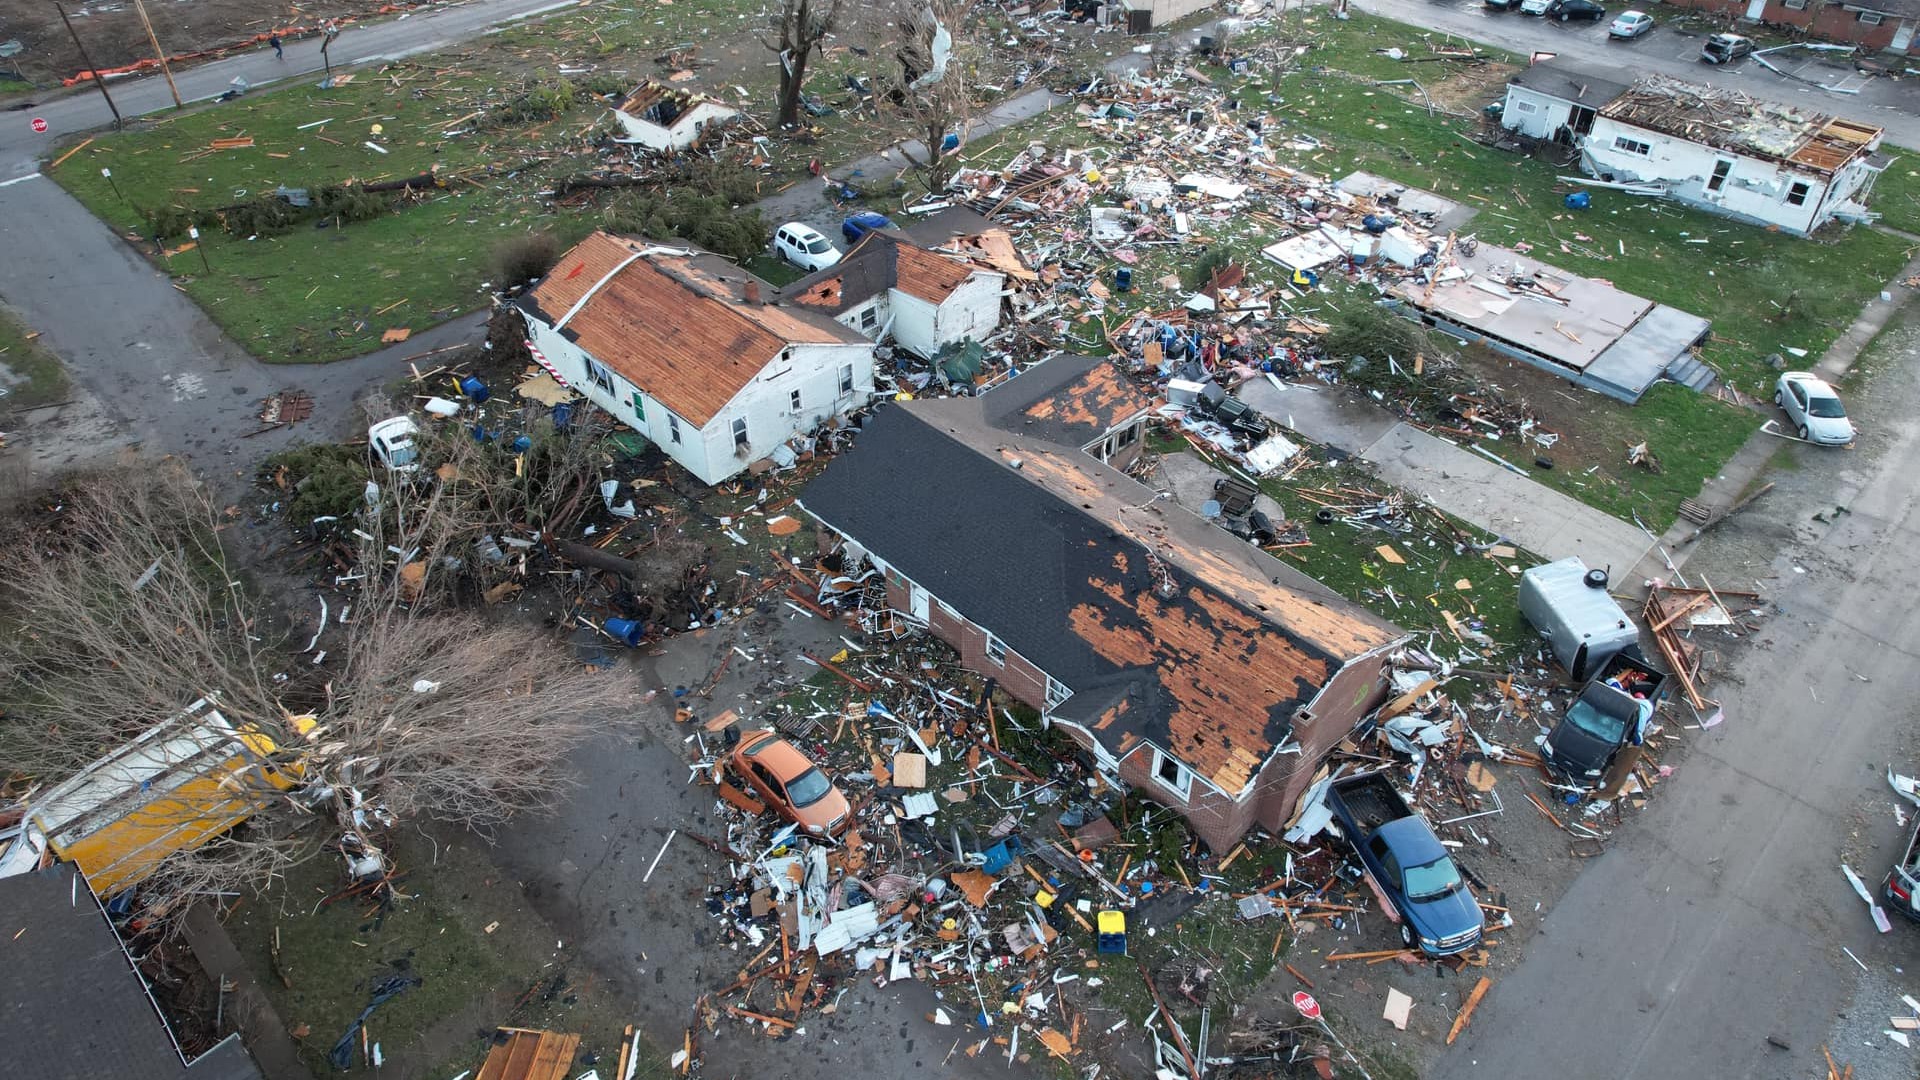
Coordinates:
846 377
1168 770
996 650
1797 194
601 377
793 400
740 432
1631 146
1056 693
1126 437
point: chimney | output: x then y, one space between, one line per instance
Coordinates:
752 290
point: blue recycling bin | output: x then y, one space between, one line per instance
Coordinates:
1579 200
1123 279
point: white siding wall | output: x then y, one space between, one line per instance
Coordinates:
685 131
1754 189
970 311
1534 114
652 419
766 404
880 308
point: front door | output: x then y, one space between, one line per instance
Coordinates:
917 603
1754 9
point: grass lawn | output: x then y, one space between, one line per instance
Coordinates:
1896 195
330 957
331 289
29 374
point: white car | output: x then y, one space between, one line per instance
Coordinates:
804 247
392 444
1813 408
1535 7
1630 24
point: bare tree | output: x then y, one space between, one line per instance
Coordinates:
925 86
797 29
125 608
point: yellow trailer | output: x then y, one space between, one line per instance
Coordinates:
175 787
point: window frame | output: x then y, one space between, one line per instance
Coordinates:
793 401
1057 692
1162 759
1632 146
599 375
1798 192
846 379
1794 5
1869 18
639 408
740 432
1721 175
869 318
1525 106
673 428
995 650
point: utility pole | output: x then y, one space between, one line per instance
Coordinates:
158 54
326 42
98 80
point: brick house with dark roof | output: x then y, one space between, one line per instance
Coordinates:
1191 665
692 351
72 1005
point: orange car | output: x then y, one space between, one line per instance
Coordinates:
783 778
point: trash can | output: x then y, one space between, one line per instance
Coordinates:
626 631
1000 855
1123 279
1112 932
475 390
1579 200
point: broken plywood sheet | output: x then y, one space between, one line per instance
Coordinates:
909 770
543 389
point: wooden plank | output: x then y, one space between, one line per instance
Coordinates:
1405 701
1682 610
1466 1011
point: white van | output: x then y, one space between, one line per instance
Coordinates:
803 246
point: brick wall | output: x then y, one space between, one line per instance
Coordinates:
1219 820
1354 691
1829 21
1016 675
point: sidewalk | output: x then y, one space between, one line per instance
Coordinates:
1458 481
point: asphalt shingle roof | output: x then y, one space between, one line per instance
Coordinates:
1206 655
71 1005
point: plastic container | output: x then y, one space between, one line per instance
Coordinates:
475 390
563 414
627 631
439 406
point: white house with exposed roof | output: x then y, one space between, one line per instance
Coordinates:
691 351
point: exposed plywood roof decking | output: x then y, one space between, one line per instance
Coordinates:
1731 120
688 328
530 1055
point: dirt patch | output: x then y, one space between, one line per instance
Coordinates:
1471 88
114 36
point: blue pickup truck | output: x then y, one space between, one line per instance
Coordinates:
1436 911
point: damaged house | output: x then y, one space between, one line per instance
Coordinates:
888 287
687 349
662 117
1203 672
1714 148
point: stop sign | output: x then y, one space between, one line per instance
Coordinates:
1308 1007
39 125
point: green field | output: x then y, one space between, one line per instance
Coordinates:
30 375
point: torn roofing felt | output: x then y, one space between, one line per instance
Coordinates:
1205 649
